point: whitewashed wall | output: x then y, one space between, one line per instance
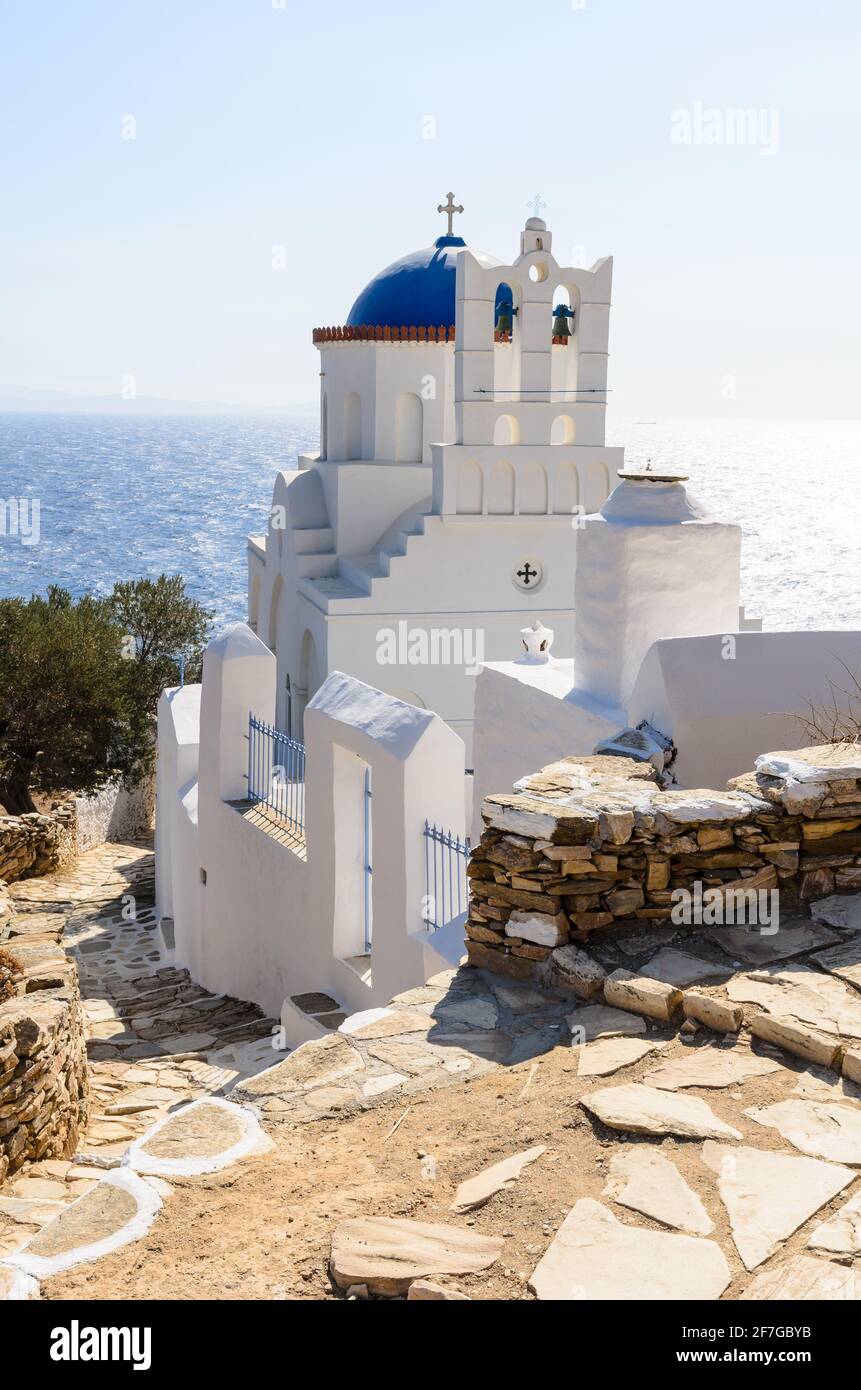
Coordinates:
114 813
251 917
721 699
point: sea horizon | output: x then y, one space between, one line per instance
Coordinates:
125 495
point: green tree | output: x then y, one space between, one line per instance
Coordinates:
65 708
161 624
80 680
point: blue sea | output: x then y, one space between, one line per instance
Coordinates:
125 496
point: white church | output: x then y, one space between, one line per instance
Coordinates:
463 585
462 422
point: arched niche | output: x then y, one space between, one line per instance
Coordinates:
353 426
309 679
563 430
500 490
506 431
409 428
596 486
307 683
470 489
532 496
274 612
254 602
566 489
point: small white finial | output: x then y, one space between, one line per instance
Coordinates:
537 641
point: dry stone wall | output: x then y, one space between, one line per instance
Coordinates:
595 842
36 844
43 1060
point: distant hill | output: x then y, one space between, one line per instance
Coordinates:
24 398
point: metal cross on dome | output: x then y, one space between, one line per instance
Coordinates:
536 203
450 209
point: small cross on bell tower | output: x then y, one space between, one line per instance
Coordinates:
450 209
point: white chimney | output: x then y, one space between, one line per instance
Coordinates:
537 641
651 564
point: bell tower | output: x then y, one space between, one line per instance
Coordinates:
535 237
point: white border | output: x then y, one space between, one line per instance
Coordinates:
148 1206
23 1286
252 1140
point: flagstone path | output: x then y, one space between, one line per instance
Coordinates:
155 1042
700 1164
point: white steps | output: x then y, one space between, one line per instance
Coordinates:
313 540
359 576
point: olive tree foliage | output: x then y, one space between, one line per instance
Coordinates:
79 683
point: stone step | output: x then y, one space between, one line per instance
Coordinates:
331 594
317 565
361 570
313 540
310 1015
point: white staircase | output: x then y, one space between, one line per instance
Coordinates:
334 584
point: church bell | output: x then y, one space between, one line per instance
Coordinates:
563 318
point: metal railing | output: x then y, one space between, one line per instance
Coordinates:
446 887
368 858
276 773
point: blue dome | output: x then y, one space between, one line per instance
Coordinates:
417 291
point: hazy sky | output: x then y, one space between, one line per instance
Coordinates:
301 125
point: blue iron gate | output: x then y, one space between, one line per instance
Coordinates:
446 889
276 773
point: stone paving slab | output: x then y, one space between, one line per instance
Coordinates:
151 1029
388 1253
768 1195
711 1068
648 1182
594 1256
203 1137
609 1055
636 1109
824 1129
119 1209
841 1234
756 948
803 1279
475 1192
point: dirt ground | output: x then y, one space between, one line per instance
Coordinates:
262 1229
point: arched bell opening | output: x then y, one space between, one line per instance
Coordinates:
563 336
506 341
504 314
